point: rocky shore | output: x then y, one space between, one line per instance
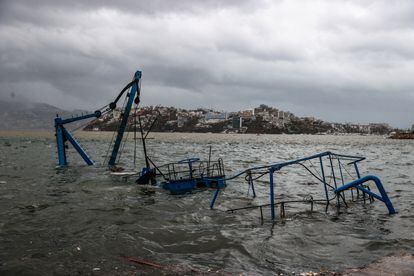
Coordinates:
403 135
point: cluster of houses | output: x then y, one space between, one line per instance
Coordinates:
201 119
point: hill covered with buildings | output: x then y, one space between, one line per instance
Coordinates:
262 119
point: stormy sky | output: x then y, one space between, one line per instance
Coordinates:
343 61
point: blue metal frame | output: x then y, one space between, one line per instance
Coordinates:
324 179
357 183
213 201
189 174
121 130
63 135
251 184
272 193
190 162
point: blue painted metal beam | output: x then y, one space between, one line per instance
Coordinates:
78 147
60 141
338 203
384 196
272 194
62 135
324 179
121 130
96 114
213 201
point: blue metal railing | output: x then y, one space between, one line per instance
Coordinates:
339 191
357 184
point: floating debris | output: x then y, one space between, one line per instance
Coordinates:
166 268
143 262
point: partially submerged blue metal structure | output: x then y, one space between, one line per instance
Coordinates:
189 174
333 189
63 135
178 178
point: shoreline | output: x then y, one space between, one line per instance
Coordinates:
49 133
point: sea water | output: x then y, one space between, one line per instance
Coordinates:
82 220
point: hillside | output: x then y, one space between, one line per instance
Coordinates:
29 116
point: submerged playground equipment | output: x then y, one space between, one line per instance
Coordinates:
339 174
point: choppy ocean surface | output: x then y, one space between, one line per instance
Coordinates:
81 220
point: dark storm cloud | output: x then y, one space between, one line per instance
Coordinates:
338 60
50 11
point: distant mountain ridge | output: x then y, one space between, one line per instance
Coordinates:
15 115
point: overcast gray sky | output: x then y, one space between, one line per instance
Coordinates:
336 60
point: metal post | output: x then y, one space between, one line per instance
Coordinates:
334 179
282 213
208 164
358 175
61 146
261 214
251 183
169 172
342 177
272 194
357 170
324 179
190 167
135 137
213 201
144 145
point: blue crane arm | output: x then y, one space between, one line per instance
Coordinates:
134 93
63 135
61 121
